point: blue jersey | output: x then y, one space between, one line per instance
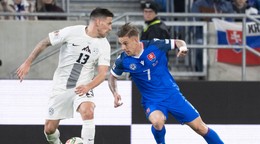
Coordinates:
149 71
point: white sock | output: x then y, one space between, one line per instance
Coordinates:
88 131
53 138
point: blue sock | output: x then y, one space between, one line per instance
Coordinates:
212 137
159 135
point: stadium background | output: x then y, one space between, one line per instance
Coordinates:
230 106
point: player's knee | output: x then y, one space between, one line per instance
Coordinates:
158 126
49 129
50 126
158 123
201 129
87 113
157 119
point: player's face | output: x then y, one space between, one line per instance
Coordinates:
149 14
104 26
129 45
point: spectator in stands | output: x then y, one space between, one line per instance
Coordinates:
2 9
32 5
206 6
255 4
155 28
211 6
161 4
241 6
49 6
18 6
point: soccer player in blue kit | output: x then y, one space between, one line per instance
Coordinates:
147 64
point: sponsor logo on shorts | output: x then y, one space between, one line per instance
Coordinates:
51 111
147 111
90 94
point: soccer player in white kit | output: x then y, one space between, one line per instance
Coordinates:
82 48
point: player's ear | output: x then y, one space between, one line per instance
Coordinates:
97 21
135 38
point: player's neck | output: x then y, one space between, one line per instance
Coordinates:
90 31
140 49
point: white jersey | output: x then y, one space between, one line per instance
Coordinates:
79 54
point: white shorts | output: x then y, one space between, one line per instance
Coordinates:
64 105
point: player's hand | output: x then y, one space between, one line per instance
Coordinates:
22 71
183 50
117 100
81 90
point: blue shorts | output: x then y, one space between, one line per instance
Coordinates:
177 105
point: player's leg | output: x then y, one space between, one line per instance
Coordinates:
51 132
157 118
184 112
60 106
208 134
86 110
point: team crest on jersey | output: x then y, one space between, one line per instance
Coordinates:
151 56
95 51
132 66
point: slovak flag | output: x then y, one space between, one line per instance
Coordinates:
229 33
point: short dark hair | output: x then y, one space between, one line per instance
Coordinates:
100 12
128 30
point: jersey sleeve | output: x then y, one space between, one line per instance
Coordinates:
172 43
117 69
104 59
164 44
59 36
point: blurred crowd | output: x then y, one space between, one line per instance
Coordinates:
154 25
30 6
196 6
250 7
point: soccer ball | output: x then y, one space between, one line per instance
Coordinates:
74 140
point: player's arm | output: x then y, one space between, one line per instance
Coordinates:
25 67
99 78
112 83
182 47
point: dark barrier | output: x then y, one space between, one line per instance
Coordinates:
217 102
33 134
